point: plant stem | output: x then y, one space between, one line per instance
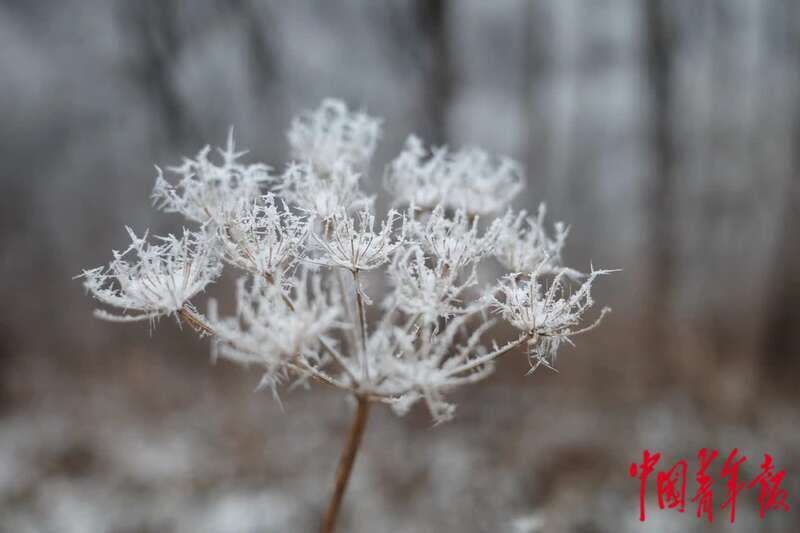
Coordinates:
346 465
362 319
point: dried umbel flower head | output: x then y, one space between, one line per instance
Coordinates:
205 191
263 237
148 281
332 134
354 243
523 244
454 238
424 289
468 179
323 194
547 315
303 315
310 247
311 233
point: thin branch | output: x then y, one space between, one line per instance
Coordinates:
301 367
362 319
490 356
339 358
325 344
198 324
594 324
350 334
195 322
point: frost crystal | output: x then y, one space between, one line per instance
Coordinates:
454 239
204 190
272 328
322 195
152 280
332 134
428 292
352 242
469 179
306 240
548 315
524 246
263 237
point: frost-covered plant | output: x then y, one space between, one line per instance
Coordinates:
309 245
469 179
204 190
332 135
151 280
323 193
262 236
523 244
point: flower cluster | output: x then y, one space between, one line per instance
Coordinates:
469 179
332 135
206 191
548 316
150 280
323 193
310 247
278 331
263 237
523 244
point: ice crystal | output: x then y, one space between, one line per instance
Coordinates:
548 315
523 244
468 179
205 190
273 329
147 281
263 237
454 239
332 134
426 291
352 242
322 195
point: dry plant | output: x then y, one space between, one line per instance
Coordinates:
309 245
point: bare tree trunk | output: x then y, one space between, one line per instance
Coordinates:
433 25
153 27
536 64
257 31
660 196
782 333
781 342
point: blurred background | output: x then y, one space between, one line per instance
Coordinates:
666 133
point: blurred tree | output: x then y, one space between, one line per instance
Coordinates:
432 21
537 64
660 44
417 38
153 29
781 342
256 28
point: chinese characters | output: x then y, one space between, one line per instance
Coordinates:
671 484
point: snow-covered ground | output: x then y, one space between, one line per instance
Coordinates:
176 451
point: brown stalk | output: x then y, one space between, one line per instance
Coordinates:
194 322
362 319
345 466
